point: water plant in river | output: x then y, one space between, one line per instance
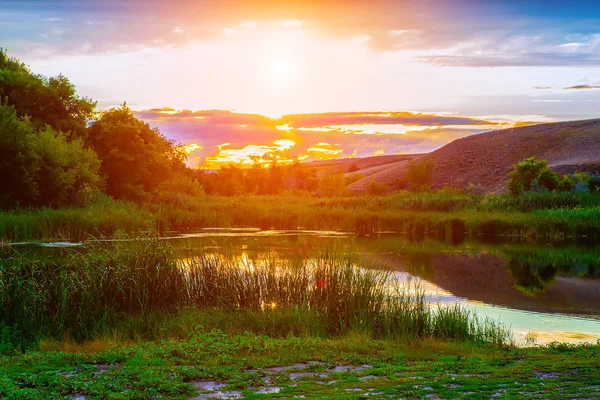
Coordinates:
105 289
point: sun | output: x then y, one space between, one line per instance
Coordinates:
280 72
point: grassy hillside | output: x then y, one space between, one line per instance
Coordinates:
357 165
486 159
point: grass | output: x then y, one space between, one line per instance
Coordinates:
142 290
442 213
426 368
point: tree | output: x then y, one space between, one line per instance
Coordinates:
532 172
524 173
19 165
66 168
375 188
136 158
41 168
549 179
47 101
332 185
418 174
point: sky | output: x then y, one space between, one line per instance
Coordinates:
253 81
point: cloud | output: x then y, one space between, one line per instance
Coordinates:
532 59
583 87
542 87
536 47
380 117
218 137
470 33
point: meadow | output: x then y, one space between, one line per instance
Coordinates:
354 366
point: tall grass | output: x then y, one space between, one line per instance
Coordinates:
102 217
419 214
100 290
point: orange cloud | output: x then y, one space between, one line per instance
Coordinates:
215 138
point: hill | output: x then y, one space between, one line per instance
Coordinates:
486 159
357 165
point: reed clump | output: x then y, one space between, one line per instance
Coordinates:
102 289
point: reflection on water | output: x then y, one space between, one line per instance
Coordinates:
548 292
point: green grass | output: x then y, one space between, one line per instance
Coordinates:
138 289
441 213
429 368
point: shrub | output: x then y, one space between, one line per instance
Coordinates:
533 174
375 188
418 175
41 168
353 168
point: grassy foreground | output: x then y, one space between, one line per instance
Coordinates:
136 320
441 214
354 366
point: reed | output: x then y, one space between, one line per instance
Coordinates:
417 214
123 288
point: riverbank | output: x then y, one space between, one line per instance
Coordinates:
441 214
252 366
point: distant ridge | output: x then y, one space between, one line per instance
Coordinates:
486 159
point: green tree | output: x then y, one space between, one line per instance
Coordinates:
41 168
549 179
531 170
136 158
418 174
332 185
524 173
19 165
47 101
375 188
66 168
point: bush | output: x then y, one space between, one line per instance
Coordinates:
353 168
418 175
532 174
375 188
332 185
41 168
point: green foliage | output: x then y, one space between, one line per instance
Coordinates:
19 165
243 362
533 174
332 185
548 179
524 173
136 159
418 174
67 168
375 188
41 168
47 101
556 214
